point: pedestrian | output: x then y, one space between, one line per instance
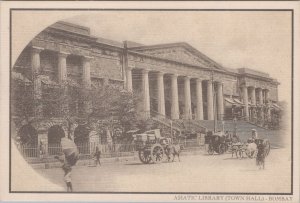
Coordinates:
69 158
97 155
260 157
67 169
254 135
235 139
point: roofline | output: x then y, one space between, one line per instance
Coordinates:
176 44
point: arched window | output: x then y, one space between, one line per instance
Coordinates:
81 134
81 139
55 133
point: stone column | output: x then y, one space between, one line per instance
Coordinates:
146 93
245 99
37 85
267 92
210 101
161 94
199 113
175 102
187 98
129 79
35 60
62 67
220 101
86 80
261 102
260 96
253 97
86 71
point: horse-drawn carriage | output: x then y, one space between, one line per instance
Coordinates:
219 143
151 146
216 143
250 148
265 143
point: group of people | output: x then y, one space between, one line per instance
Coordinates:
259 145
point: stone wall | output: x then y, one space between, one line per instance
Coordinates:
106 68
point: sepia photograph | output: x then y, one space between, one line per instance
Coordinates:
197 103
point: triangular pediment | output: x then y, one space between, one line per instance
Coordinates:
182 52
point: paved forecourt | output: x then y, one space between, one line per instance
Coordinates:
195 173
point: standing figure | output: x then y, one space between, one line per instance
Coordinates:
69 158
97 155
254 135
260 157
42 150
67 169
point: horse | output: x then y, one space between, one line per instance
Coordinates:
236 149
173 149
251 150
261 154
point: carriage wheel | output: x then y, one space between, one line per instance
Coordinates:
144 156
267 147
157 153
222 149
210 150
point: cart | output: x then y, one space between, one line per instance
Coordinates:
150 146
216 143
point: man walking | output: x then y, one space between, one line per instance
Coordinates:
97 155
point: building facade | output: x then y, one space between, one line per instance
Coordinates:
175 80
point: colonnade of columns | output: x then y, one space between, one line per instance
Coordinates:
263 98
263 95
61 74
175 113
62 66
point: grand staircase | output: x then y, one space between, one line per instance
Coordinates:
243 130
178 125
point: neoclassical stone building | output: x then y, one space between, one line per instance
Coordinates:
176 81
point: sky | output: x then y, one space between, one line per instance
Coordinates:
257 40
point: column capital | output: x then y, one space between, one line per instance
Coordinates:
160 73
174 75
186 77
220 83
209 81
87 58
244 85
145 71
36 49
63 54
199 80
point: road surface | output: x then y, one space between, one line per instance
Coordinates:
195 173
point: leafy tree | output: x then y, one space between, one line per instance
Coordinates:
74 103
115 105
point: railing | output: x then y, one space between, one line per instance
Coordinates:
164 120
192 143
85 149
29 151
